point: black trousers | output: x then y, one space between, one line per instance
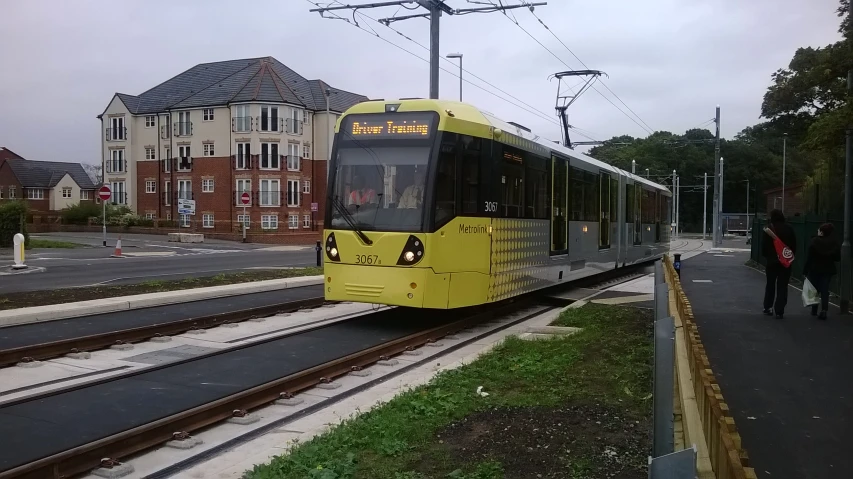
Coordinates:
778 278
821 284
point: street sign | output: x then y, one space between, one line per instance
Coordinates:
245 198
186 207
105 193
314 207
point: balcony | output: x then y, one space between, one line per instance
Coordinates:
269 125
115 167
185 195
270 198
294 127
242 162
185 163
183 128
241 124
165 133
116 134
118 198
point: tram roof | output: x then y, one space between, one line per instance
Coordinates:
471 113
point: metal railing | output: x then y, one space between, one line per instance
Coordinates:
269 198
241 124
116 134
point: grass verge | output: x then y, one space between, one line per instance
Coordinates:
576 407
61 296
45 243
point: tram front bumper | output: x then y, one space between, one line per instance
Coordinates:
412 287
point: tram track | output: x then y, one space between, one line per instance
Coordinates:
222 383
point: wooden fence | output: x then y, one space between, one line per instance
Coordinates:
728 459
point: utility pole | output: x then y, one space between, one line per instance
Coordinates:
784 158
677 202
717 237
848 165
674 203
705 209
722 188
434 8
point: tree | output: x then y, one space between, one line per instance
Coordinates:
95 172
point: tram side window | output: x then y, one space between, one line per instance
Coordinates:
470 178
614 199
592 199
629 204
512 182
445 181
577 186
648 207
537 203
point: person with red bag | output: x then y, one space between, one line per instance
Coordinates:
779 247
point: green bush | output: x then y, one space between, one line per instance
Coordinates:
12 215
80 213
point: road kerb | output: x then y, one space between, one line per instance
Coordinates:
53 312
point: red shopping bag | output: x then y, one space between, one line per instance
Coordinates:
783 252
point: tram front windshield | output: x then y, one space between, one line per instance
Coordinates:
380 182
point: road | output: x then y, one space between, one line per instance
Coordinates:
148 257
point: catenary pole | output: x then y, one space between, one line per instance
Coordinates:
846 265
715 212
705 209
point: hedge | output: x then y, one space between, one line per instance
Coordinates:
13 216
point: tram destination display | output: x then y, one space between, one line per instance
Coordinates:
386 126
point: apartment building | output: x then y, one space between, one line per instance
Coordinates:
219 130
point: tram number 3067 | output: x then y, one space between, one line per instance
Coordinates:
367 259
491 206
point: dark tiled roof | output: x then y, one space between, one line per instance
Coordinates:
46 174
252 79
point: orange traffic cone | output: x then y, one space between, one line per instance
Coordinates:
117 253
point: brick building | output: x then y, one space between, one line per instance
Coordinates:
794 199
216 131
45 185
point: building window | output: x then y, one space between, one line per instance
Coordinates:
185 159
293 195
150 154
185 190
149 216
269 156
241 122
269 222
85 195
207 186
243 186
293 221
208 149
151 186
306 221
269 118
184 221
167 194
150 121
306 152
1 192
294 123
305 117
293 159
244 220
270 193
66 192
119 196
243 158
207 220
12 193
35 193
116 163
207 113
306 187
184 126
117 129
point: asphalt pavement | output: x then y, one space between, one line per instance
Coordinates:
148 257
787 382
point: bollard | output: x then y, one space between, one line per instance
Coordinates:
677 264
20 242
319 249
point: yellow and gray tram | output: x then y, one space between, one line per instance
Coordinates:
437 204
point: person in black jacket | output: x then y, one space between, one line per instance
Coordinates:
824 251
778 276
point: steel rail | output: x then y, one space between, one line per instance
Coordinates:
85 458
97 341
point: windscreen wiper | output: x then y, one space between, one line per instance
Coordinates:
339 205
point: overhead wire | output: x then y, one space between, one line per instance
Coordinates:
532 12
529 109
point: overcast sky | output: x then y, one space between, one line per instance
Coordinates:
670 61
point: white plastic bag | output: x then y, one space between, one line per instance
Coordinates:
810 294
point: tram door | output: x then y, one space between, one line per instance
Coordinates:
559 205
604 214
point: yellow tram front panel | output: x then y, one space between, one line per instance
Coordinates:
452 271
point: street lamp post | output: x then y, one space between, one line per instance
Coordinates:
459 56
705 208
784 158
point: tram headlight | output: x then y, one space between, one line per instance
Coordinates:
412 252
332 248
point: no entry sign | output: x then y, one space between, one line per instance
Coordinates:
105 193
245 198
